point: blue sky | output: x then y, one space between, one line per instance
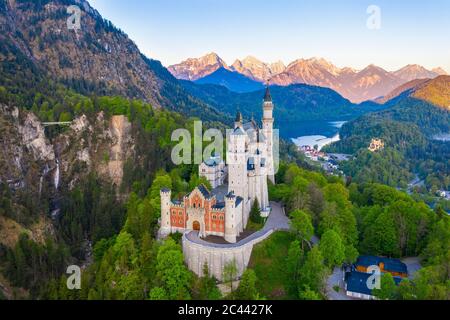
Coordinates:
412 31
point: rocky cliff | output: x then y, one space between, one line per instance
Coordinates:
35 168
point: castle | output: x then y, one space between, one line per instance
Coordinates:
250 164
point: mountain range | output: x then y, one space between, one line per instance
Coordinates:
371 83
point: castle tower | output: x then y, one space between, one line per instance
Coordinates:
268 122
237 161
166 196
231 218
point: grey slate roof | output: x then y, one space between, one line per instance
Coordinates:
205 192
219 205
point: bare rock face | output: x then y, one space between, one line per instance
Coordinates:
33 137
97 145
258 70
26 152
121 148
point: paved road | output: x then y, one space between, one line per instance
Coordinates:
333 280
413 265
277 221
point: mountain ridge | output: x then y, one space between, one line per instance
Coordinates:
370 83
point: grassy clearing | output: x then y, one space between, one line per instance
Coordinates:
268 261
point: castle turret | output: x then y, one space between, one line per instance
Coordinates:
268 122
166 196
231 217
239 120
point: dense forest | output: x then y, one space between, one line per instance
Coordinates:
366 219
407 130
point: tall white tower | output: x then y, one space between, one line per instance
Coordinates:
237 161
268 121
231 218
166 227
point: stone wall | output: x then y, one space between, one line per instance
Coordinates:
217 256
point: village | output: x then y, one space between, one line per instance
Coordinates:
328 161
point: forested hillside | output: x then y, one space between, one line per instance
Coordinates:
407 129
37 50
293 103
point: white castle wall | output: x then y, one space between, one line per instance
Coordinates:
217 256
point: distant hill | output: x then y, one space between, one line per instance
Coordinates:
293 104
415 114
233 81
435 91
404 89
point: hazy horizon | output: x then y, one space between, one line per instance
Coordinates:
412 32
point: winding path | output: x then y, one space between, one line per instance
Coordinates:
277 221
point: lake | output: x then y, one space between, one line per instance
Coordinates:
318 132
442 137
295 129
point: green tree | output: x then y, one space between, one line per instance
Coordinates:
332 248
293 263
162 180
208 289
247 287
388 288
230 273
406 290
158 293
351 254
313 272
302 226
255 213
380 237
172 272
308 294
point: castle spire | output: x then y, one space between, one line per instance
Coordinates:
268 96
238 117
239 120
